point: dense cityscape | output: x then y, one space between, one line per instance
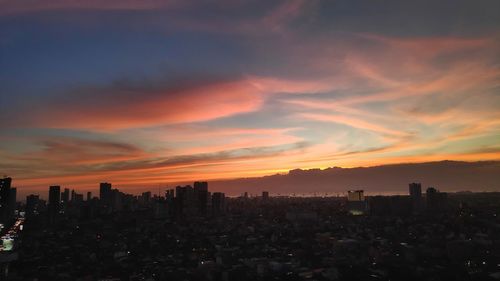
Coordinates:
189 233
249 140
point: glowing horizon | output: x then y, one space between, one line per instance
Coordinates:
151 92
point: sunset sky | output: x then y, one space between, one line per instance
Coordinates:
147 92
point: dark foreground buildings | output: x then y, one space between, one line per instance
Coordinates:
188 233
7 200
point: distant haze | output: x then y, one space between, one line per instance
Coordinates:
444 175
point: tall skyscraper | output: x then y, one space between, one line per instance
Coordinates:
218 203
185 200
12 202
5 187
201 196
65 196
116 200
415 190
54 200
201 185
105 193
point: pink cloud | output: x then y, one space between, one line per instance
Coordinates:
185 105
115 109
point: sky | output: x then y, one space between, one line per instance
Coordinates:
146 93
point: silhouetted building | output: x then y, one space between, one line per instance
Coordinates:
78 198
5 187
170 201
89 196
218 203
161 209
11 209
105 193
201 185
201 196
7 199
436 200
145 198
54 200
65 196
32 202
188 201
170 194
415 190
265 195
116 200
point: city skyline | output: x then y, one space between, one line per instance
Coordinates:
144 93
385 180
